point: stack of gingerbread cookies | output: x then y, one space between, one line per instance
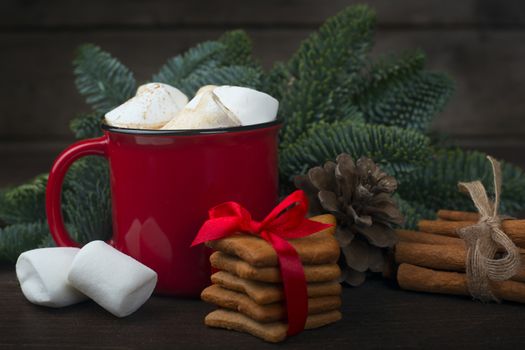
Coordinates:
248 287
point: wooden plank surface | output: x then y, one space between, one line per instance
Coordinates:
161 13
27 15
375 316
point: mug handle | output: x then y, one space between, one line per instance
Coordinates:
55 220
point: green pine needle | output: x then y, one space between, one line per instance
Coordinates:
86 126
398 151
397 92
18 238
238 49
86 197
25 203
102 79
231 75
178 68
321 73
227 61
435 184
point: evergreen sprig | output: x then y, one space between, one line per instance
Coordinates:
226 61
25 203
435 185
228 75
86 200
17 238
102 79
86 125
397 150
319 76
398 92
180 67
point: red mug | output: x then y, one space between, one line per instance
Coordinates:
163 183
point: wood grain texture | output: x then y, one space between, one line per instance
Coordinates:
42 14
22 161
375 316
161 13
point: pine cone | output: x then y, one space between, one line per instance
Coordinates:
360 196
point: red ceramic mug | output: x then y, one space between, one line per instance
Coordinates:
162 185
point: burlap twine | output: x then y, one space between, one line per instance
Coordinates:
484 239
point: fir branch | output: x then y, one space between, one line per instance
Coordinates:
396 150
277 81
86 197
18 238
180 67
230 75
48 241
435 183
104 81
227 61
86 125
238 49
25 203
319 75
398 92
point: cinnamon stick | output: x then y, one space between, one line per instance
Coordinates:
428 238
515 229
451 257
455 215
421 279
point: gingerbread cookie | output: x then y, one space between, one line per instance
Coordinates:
230 299
266 293
317 249
240 268
271 332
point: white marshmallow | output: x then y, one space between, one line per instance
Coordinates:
249 105
114 280
204 111
153 106
42 274
195 100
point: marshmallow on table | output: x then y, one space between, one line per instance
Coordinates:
153 106
204 111
42 274
114 280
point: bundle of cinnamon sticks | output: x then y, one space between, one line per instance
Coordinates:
433 259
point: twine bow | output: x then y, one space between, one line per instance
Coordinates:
484 239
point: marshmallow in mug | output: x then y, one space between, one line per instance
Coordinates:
114 280
153 106
204 111
225 106
42 274
249 105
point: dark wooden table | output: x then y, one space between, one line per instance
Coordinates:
375 316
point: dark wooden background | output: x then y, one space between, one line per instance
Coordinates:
481 43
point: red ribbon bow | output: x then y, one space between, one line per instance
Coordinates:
286 221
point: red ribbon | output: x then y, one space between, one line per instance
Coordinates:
286 221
